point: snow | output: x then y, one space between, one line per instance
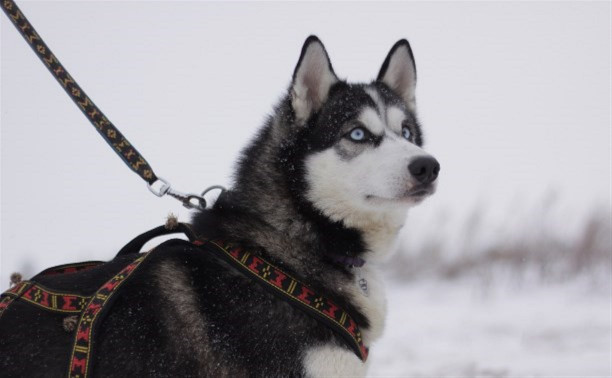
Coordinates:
449 328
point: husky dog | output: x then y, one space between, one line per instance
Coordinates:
325 183
321 192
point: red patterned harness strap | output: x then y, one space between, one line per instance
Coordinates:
47 299
82 348
293 291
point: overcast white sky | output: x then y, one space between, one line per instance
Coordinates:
514 98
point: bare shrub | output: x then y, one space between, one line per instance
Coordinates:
535 245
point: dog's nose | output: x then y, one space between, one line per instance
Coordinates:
424 169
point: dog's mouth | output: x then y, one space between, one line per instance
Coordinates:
420 191
415 194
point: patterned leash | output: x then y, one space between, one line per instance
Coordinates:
126 151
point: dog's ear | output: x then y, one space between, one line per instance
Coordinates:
399 72
312 79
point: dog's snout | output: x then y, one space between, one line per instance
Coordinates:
425 169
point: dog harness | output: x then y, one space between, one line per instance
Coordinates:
88 311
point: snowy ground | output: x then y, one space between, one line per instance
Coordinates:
466 329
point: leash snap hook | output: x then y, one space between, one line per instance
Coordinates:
200 204
189 200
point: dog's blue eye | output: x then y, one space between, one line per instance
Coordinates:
406 133
358 134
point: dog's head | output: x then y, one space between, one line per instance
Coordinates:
360 144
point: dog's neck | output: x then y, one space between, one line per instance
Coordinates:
379 232
300 237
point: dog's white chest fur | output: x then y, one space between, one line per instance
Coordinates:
334 361
368 295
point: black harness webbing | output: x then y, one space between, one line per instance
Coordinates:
91 309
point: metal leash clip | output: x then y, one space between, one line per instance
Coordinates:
189 200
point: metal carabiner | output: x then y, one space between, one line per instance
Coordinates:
201 204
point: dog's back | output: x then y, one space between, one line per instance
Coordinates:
184 313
